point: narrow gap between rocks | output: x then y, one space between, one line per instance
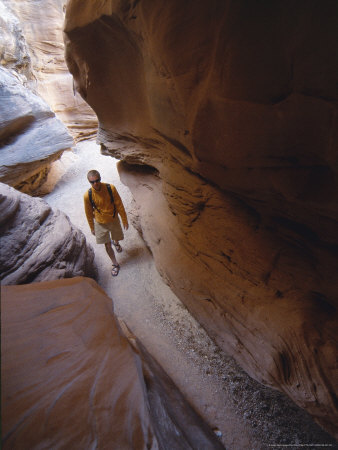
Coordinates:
245 414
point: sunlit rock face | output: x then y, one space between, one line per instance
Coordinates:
70 379
38 243
14 52
225 117
31 137
32 37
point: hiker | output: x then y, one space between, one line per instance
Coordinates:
103 205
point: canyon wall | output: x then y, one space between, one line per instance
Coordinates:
32 44
31 137
224 115
37 94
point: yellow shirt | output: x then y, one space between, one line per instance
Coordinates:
103 202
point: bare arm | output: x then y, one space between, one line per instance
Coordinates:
120 208
89 212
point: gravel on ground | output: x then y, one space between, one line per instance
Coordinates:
245 414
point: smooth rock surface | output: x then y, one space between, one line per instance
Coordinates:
70 379
38 243
31 137
230 109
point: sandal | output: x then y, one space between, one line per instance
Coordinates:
115 270
118 247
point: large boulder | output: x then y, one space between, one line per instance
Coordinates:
38 243
225 116
31 136
70 379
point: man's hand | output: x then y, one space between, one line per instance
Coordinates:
125 226
93 232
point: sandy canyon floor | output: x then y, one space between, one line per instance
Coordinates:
245 414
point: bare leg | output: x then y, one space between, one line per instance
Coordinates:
111 253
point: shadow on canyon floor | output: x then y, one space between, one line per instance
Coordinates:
249 415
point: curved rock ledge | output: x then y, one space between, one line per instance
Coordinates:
39 244
31 137
234 106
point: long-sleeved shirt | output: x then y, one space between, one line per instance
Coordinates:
103 202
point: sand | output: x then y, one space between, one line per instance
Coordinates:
245 414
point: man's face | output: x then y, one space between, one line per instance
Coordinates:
95 181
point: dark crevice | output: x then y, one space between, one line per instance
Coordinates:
285 366
15 128
323 303
174 142
226 256
280 98
298 228
317 95
138 168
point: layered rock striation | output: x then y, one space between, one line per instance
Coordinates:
33 75
32 44
70 379
14 52
31 137
225 117
38 243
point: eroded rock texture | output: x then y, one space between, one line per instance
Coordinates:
225 117
31 137
38 243
70 379
32 32
14 52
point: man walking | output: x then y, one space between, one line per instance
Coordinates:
102 205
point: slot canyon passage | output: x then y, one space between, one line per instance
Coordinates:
223 115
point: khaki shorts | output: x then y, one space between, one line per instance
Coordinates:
102 231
